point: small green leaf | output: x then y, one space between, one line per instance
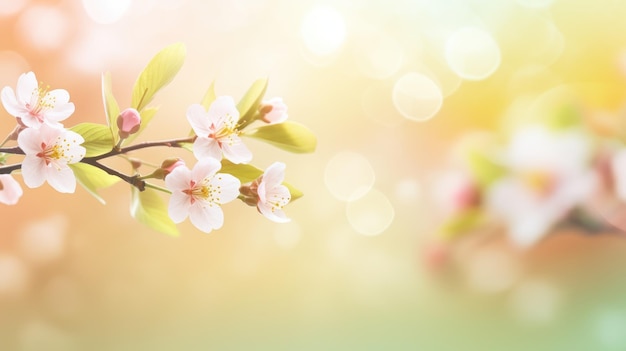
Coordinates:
148 208
485 170
244 172
461 223
111 108
98 138
208 97
250 102
157 74
247 173
564 117
93 178
289 136
146 116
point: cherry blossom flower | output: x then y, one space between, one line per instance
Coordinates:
550 175
48 152
217 131
34 104
274 111
271 195
10 190
198 193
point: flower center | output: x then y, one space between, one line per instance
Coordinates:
226 131
40 101
204 191
51 153
540 182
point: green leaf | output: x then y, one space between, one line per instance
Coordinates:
93 178
485 170
244 172
208 97
249 104
111 109
148 208
98 138
157 74
146 116
247 173
564 117
461 223
289 136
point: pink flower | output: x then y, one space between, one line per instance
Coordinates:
272 195
217 131
128 122
198 193
34 104
48 152
10 190
274 111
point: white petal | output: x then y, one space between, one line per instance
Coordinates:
50 134
62 179
278 194
11 190
205 168
178 180
178 207
206 148
29 140
275 215
206 216
527 231
27 85
274 174
223 110
60 112
33 171
229 187
199 120
10 103
238 152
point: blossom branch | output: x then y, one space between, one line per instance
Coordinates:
168 143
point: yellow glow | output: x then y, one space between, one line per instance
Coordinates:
417 97
349 176
472 53
323 30
372 214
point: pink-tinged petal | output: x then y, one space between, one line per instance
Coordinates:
50 134
178 207
27 85
278 194
11 190
206 148
278 114
223 110
205 168
60 112
29 141
206 216
33 171
10 103
61 179
178 180
262 192
199 120
237 152
274 174
30 121
228 185
273 214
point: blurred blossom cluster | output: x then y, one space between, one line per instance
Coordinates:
537 177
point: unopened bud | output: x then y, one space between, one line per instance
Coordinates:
128 122
167 167
273 110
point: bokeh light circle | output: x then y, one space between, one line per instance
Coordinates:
323 30
51 30
417 97
106 12
349 176
371 214
472 53
378 55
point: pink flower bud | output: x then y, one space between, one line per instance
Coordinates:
273 110
167 167
128 122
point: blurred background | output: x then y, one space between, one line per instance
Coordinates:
388 87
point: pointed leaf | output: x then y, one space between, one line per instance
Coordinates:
146 116
208 97
98 138
148 208
250 102
111 108
295 193
158 73
289 136
93 178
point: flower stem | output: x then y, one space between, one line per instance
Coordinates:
159 188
